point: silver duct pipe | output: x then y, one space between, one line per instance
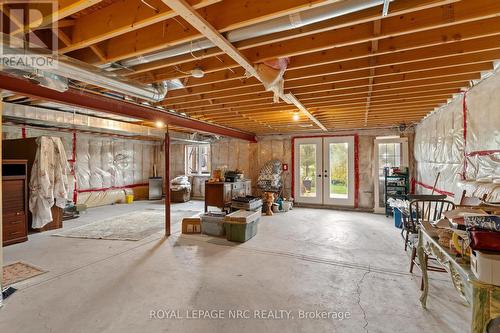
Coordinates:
284 23
38 116
39 61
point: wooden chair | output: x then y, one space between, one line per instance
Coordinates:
425 211
408 229
472 201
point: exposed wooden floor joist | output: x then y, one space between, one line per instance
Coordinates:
355 70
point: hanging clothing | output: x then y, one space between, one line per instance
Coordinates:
49 180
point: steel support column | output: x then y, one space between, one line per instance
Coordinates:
167 184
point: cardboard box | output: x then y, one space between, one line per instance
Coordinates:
191 225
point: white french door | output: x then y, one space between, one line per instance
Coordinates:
324 170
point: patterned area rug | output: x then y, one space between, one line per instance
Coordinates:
19 271
133 226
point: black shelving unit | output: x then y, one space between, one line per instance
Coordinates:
396 185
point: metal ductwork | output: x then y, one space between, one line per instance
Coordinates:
284 23
37 116
49 66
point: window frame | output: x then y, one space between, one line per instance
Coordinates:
199 160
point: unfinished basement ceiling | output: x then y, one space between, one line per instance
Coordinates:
351 68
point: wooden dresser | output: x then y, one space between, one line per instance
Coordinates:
26 149
220 194
14 202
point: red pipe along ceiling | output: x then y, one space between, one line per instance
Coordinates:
96 102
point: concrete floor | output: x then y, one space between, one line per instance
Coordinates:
350 264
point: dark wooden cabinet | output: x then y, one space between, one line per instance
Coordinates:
14 202
220 194
26 149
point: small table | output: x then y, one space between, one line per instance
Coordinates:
484 298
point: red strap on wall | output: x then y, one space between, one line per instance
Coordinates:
464 112
73 161
413 185
435 190
23 132
483 153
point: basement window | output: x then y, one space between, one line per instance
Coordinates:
198 160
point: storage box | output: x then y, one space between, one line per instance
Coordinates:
255 205
182 195
240 232
486 266
213 224
191 225
398 219
241 225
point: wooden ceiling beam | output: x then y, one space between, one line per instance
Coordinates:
334 101
398 8
361 81
355 95
377 26
347 110
394 120
351 93
470 67
414 22
460 81
320 106
441 32
65 8
334 110
210 32
462 78
171 32
347 70
404 51
119 18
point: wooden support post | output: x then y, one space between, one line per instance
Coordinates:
167 184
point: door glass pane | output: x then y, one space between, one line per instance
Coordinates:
204 152
192 160
389 155
307 160
339 170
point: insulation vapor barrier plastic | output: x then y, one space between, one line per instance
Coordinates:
101 163
462 142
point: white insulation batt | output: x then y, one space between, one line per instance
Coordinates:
469 160
103 165
49 180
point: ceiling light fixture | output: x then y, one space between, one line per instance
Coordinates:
159 124
296 116
197 73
